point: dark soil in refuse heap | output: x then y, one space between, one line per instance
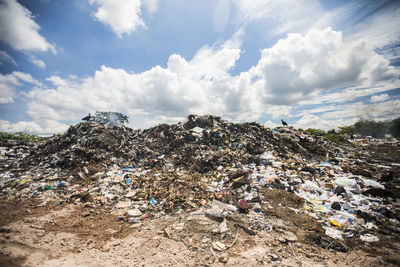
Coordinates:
83 144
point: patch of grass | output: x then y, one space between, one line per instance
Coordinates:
20 136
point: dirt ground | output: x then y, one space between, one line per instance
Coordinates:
79 235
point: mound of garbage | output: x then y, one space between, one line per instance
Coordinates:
220 176
200 144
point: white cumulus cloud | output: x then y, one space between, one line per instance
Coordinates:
314 121
301 64
19 30
123 16
46 127
10 82
379 98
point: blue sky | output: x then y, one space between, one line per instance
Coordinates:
319 64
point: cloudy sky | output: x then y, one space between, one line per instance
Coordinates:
319 64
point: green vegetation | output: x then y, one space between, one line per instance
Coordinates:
331 135
20 136
372 128
395 127
315 132
331 131
377 129
338 139
363 127
347 129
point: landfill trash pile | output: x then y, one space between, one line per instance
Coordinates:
200 144
218 179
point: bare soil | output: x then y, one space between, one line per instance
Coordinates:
79 235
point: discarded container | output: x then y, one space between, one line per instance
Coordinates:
134 213
369 238
335 234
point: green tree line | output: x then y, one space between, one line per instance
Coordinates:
376 129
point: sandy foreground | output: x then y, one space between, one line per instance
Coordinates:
78 235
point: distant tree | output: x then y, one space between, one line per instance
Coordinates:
109 117
331 131
395 127
347 129
371 128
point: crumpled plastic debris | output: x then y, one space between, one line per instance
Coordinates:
335 234
369 238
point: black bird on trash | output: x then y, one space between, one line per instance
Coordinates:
284 123
87 118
